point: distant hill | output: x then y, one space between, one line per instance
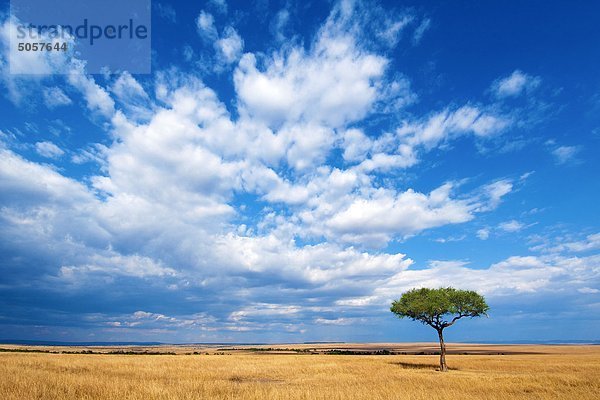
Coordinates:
56 343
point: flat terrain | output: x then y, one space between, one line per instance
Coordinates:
309 371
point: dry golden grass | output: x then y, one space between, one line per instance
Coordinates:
560 372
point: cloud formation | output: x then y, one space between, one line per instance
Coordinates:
515 84
284 208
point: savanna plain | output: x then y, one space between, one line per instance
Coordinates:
377 371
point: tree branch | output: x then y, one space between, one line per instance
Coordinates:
459 316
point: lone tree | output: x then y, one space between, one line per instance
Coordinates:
440 308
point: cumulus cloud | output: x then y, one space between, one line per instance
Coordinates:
333 83
297 87
230 45
514 85
385 214
356 145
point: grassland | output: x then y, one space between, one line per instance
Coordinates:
294 372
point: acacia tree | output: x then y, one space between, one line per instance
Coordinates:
440 308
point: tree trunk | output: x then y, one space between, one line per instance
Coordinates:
443 366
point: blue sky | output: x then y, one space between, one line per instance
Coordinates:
289 168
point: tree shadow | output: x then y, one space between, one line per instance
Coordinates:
410 365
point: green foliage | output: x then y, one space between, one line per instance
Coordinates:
441 307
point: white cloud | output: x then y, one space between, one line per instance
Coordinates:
511 226
320 264
483 233
147 228
37 183
386 214
420 30
588 290
132 97
591 242
511 277
96 97
495 192
263 309
219 5
356 145
55 97
91 154
401 150
48 150
450 239
515 84
565 154
279 24
30 62
229 45
378 215
127 88
444 264
340 321
205 23
21 72
24 72
443 125
308 145
302 88
391 29
146 319
334 83
114 264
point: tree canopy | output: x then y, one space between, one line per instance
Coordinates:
439 308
